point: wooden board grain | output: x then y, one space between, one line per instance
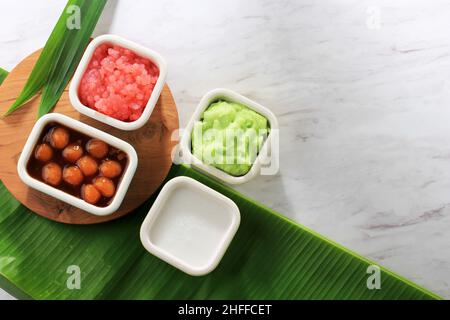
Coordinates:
153 144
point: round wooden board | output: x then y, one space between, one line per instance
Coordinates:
153 143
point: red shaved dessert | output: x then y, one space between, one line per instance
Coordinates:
118 82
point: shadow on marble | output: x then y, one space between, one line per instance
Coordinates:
107 18
275 197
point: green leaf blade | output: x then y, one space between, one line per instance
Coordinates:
72 51
3 75
41 70
271 257
60 56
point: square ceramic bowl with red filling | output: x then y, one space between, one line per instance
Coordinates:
118 82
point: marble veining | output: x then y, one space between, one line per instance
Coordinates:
361 91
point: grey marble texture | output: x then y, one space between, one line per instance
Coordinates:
361 90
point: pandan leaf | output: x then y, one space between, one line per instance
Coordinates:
56 62
73 49
47 59
3 74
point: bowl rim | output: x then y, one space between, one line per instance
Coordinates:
145 52
66 197
227 94
157 208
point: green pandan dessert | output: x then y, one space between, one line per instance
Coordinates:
229 136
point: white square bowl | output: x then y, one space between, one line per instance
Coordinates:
91 132
142 51
190 226
186 155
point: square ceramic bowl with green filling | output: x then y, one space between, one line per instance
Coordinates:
225 110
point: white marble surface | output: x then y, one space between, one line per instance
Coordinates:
361 90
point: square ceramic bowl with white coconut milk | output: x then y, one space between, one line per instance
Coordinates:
190 226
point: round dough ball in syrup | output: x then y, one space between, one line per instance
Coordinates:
88 165
90 194
59 138
43 152
73 175
97 148
105 186
52 174
110 169
72 152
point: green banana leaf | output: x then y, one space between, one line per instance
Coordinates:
270 257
